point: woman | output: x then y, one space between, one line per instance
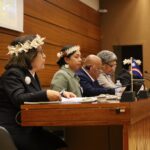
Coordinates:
65 78
125 74
19 84
108 68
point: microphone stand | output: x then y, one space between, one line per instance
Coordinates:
131 75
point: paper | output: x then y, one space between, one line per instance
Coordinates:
46 102
78 100
67 100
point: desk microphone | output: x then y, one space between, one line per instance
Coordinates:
146 72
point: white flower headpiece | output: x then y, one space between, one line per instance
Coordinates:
19 48
68 51
128 61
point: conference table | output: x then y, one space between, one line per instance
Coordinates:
105 126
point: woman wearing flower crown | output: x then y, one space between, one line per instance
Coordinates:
19 84
65 78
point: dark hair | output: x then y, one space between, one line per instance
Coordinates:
126 66
24 59
61 61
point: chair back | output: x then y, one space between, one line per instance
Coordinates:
6 142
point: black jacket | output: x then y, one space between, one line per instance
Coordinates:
14 91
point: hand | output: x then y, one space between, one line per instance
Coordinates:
53 95
68 94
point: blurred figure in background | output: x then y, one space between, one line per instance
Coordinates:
130 68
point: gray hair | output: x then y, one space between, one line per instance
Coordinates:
107 56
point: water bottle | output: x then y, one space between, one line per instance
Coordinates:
118 89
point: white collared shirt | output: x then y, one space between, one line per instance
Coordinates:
88 74
32 73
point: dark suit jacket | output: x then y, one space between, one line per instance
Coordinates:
14 91
91 88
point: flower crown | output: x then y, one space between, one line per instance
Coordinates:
68 51
25 47
128 61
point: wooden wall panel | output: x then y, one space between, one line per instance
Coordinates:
2 64
47 74
78 8
5 39
62 22
58 36
62 18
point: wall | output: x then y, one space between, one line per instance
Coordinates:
93 4
127 23
62 22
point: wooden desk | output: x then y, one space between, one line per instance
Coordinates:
134 118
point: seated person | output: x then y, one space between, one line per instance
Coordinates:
65 78
108 68
18 84
125 77
88 77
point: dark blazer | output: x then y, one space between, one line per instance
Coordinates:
125 77
91 88
14 91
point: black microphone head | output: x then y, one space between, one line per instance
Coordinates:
146 71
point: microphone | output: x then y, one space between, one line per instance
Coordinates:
146 72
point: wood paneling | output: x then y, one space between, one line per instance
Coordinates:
47 74
2 64
139 135
62 22
57 35
78 8
5 39
62 18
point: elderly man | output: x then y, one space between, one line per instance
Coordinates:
88 77
108 68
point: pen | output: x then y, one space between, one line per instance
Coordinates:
61 92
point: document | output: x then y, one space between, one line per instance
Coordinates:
78 100
67 100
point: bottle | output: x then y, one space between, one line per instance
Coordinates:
118 89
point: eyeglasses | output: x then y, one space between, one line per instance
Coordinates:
111 65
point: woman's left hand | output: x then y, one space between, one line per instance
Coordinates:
68 94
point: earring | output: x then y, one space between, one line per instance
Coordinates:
66 66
